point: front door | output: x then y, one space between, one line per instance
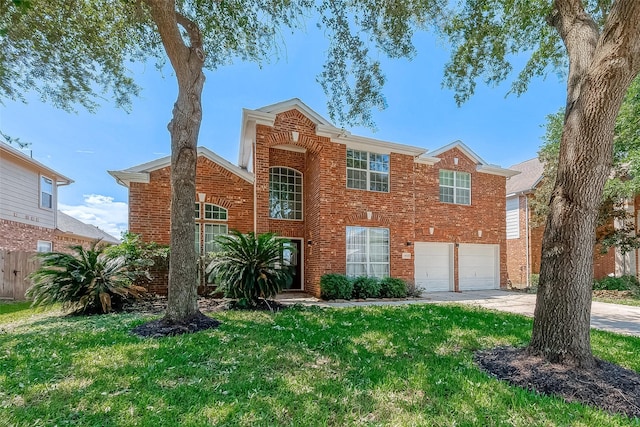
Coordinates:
292 255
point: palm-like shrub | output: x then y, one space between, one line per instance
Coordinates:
86 280
250 267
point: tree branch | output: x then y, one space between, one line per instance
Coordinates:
580 35
165 16
195 37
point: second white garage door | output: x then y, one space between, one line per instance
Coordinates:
433 266
478 267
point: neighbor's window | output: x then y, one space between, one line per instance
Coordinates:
367 171
455 187
206 227
513 218
46 192
285 193
44 246
367 252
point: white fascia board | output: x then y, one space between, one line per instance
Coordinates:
150 166
463 147
296 104
427 160
341 136
496 170
60 179
242 173
125 178
250 119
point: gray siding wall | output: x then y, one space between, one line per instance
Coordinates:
20 195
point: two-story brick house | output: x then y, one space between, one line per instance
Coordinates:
524 236
349 204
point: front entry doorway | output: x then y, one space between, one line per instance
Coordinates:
292 255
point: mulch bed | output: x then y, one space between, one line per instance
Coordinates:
609 387
155 305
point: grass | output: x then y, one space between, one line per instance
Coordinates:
624 301
403 365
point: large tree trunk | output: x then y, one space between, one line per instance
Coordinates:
187 62
601 70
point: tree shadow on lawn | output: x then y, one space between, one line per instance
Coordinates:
302 366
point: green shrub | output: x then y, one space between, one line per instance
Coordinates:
87 281
335 286
534 279
623 283
393 288
250 267
366 287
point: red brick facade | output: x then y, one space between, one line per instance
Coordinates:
150 204
18 236
409 210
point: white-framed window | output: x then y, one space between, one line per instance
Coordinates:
455 187
513 218
46 192
285 193
208 227
44 246
215 212
367 171
367 252
210 233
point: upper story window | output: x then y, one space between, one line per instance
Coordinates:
46 192
367 171
455 187
197 210
285 193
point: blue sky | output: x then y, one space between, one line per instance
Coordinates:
83 146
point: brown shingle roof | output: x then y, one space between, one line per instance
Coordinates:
530 176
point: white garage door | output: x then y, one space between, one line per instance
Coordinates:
433 266
478 267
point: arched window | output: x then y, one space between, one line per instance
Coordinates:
285 193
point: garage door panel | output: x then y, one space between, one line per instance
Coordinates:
433 266
478 267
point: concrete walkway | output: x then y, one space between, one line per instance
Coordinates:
622 319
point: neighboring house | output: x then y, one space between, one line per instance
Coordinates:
28 201
29 216
349 204
524 241
71 231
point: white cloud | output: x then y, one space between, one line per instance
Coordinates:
100 211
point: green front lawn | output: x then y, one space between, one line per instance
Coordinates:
403 365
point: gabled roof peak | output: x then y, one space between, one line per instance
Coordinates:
462 147
297 104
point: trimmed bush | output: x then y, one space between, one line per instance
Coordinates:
623 283
392 287
335 286
366 287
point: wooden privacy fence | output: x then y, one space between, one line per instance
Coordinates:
15 266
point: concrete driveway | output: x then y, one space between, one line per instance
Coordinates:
622 319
